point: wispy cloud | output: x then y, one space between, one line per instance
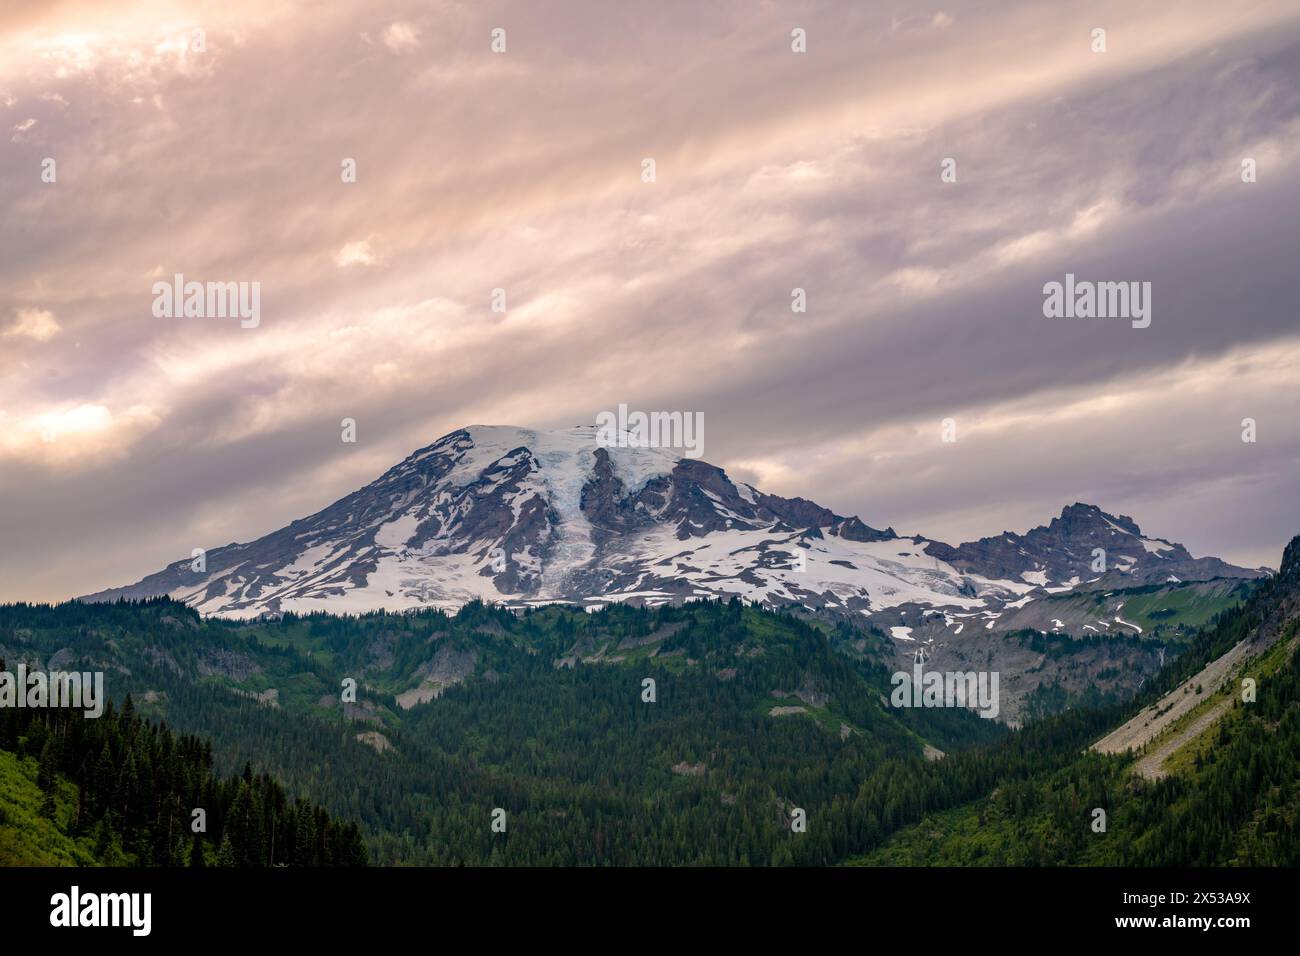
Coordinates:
521 171
401 37
36 324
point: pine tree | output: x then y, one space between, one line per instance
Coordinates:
47 775
103 838
48 806
226 853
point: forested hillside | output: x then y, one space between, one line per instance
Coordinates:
711 733
121 791
1236 801
1229 796
543 715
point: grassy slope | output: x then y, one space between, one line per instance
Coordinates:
1159 610
26 837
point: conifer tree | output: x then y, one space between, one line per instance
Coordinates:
226 853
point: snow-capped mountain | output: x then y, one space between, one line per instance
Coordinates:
1064 554
525 517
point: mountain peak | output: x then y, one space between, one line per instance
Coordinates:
1290 568
523 516
1081 513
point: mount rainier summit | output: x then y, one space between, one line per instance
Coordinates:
521 517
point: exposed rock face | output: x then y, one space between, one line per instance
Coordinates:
684 769
374 738
1064 554
447 668
522 517
231 664
1276 606
786 711
1282 600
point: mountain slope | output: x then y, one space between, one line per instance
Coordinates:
1064 552
541 713
524 517
754 715
1196 704
27 836
1198 776
118 791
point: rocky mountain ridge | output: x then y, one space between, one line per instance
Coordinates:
522 517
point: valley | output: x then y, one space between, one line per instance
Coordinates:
755 714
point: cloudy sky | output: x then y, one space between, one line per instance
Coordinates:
126 440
